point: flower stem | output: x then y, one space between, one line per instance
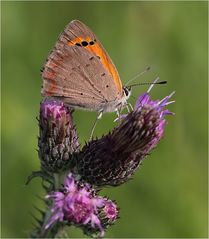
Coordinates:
56 181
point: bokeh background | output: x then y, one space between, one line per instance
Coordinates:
168 195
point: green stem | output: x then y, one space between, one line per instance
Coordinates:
56 181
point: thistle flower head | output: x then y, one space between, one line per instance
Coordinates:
112 159
78 204
110 210
144 102
57 136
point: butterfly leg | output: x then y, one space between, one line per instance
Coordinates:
118 115
99 116
130 105
127 107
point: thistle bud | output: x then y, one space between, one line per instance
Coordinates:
57 136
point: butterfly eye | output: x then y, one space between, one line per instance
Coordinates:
126 91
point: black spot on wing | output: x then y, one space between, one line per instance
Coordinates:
84 43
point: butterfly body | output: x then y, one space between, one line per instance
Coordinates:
79 72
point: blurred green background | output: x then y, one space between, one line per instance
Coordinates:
168 195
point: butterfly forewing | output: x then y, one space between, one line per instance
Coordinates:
80 71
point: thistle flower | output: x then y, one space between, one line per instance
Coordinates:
159 105
110 211
78 204
110 160
57 136
114 158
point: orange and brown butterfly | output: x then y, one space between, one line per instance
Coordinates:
80 72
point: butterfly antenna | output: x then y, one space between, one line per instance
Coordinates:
149 83
153 83
140 74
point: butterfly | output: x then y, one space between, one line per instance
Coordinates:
79 72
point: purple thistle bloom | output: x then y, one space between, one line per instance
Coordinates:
112 159
144 101
111 211
53 109
159 105
78 204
